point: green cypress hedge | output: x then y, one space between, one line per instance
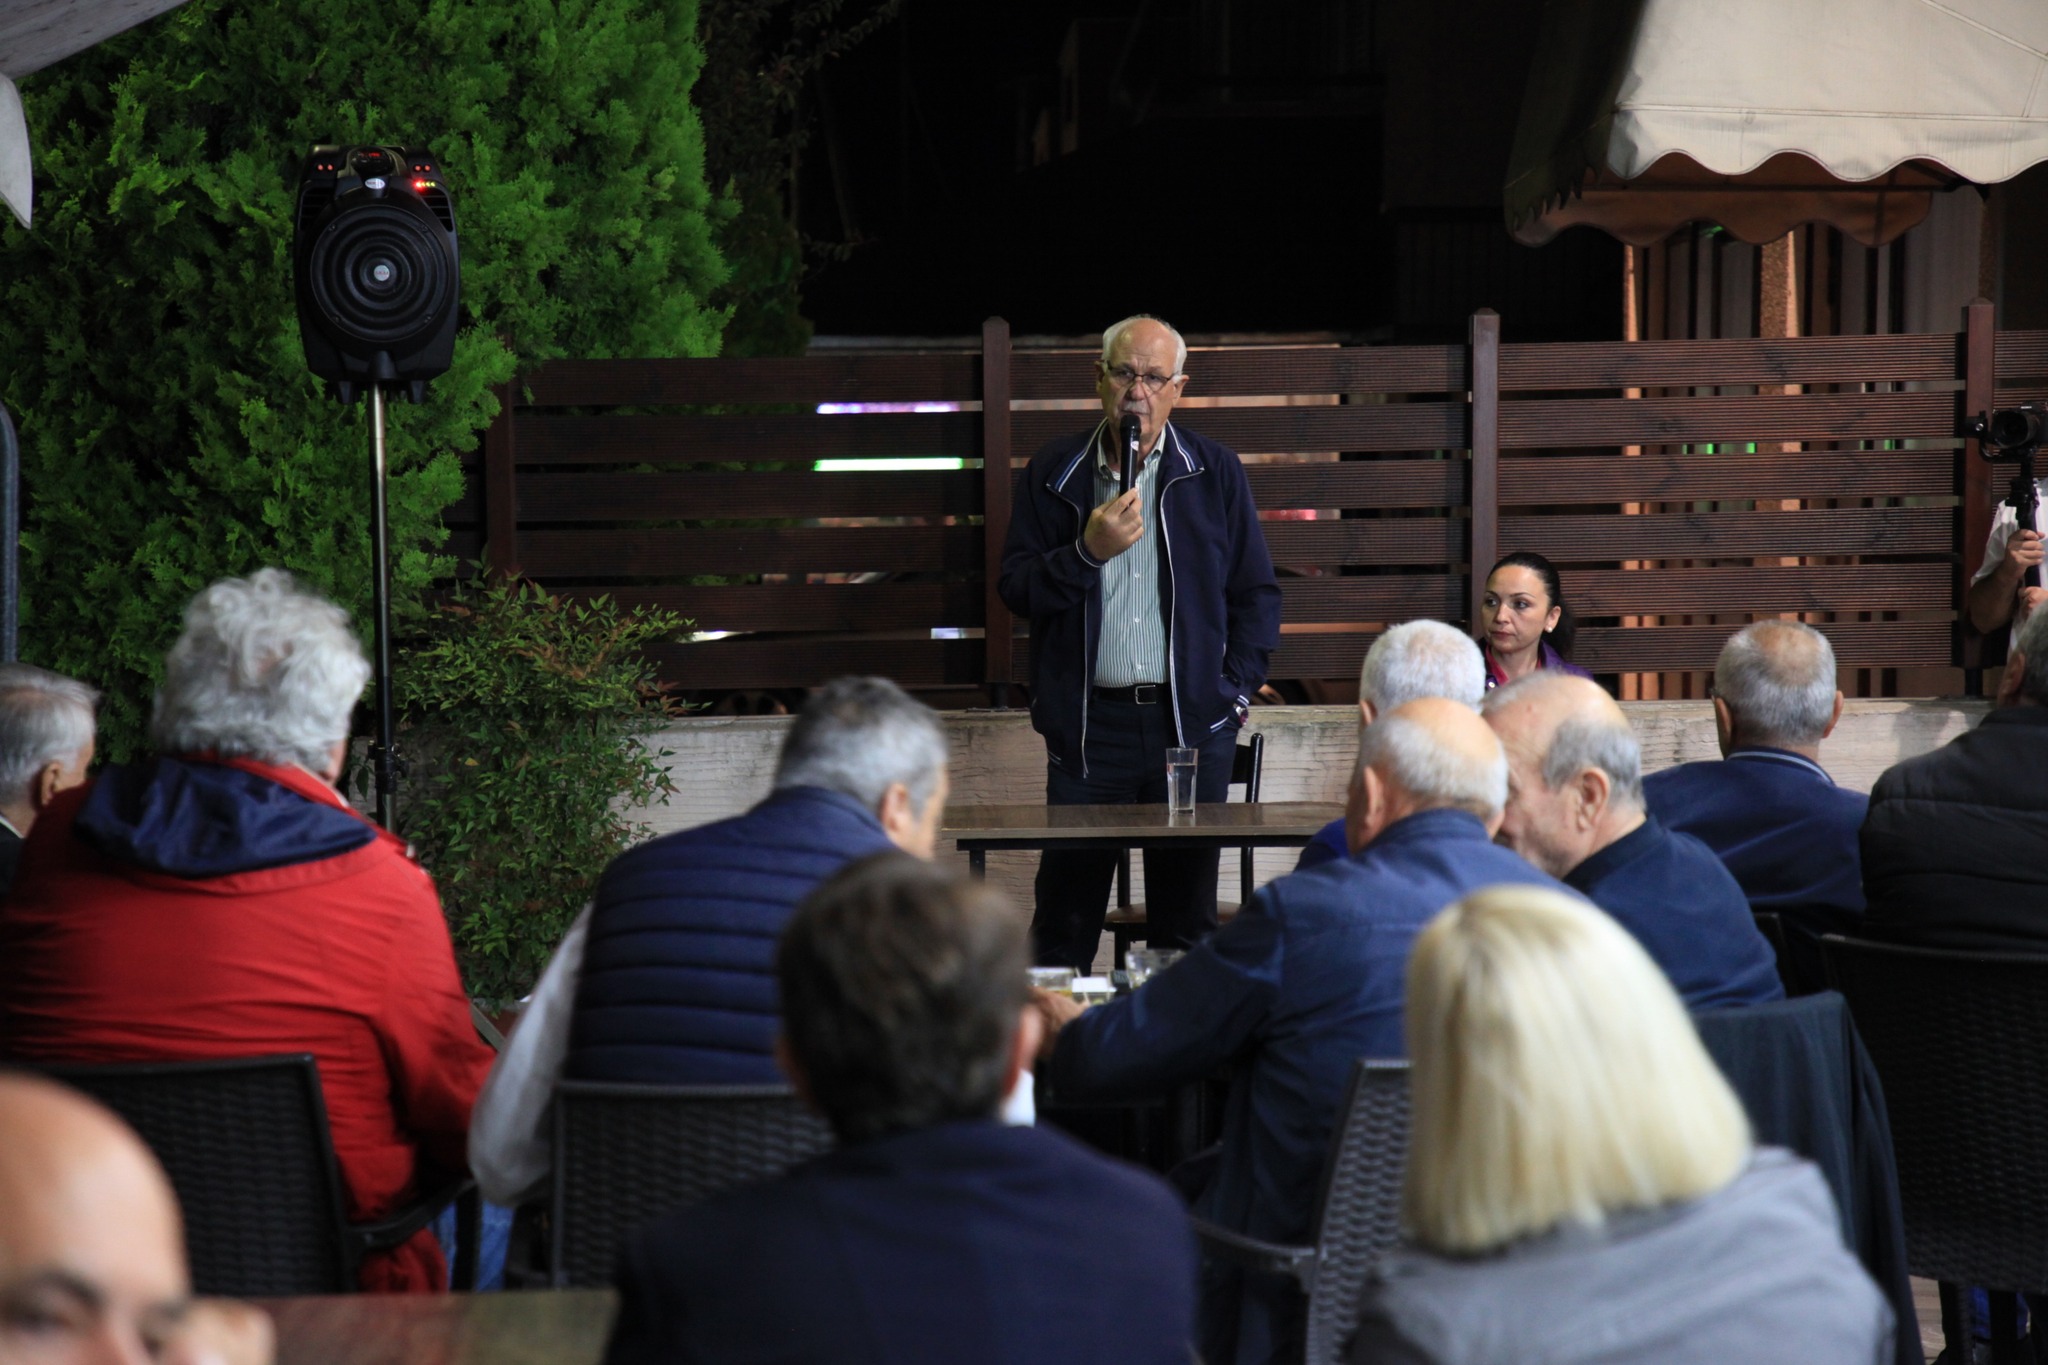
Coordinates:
149 350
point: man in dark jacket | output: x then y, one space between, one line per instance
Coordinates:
1768 809
1955 849
934 1234
1307 980
1577 812
1152 611
46 744
671 969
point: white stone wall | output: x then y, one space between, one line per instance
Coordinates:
722 765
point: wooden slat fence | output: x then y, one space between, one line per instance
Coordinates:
1684 487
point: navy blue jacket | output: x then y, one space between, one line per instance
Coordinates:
965 1242
1672 893
1328 845
1217 594
678 979
1306 981
1784 829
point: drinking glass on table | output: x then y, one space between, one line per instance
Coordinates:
1058 980
1142 963
1180 781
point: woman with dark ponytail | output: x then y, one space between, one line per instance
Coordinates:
1528 625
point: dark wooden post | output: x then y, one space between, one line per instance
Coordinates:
1974 480
501 489
1484 406
997 631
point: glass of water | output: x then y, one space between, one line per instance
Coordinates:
1058 980
1143 963
1180 781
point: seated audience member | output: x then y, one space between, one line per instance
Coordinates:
669 977
1955 849
1529 625
46 741
1768 809
934 1233
1580 1184
1298 987
223 900
1411 660
92 1258
1575 809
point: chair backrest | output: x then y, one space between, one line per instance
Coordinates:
625 1154
1772 926
1959 1041
1358 1218
1247 766
246 1145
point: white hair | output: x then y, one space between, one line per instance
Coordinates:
2032 641
263 671
1556 1076
858 736
1778 678
1114 332
1419 659
1605 742
1578 744
45 718
1409 755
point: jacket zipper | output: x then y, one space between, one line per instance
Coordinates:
1059 491
1173 603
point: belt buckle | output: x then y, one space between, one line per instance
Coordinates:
1145 694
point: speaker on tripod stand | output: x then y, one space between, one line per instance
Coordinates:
379 289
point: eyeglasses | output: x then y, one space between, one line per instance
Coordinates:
1124 377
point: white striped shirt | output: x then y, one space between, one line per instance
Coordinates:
1132 648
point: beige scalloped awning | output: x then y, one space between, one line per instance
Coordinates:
34 34
1644 115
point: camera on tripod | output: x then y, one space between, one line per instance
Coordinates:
2005 433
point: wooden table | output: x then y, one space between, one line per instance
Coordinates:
1241 824
528 1327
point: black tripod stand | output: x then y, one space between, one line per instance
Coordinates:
384 749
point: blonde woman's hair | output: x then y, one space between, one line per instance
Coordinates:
1556 1078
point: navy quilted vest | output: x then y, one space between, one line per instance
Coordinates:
678 981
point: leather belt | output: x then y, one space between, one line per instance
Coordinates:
1143 694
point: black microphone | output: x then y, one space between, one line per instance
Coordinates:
1129 431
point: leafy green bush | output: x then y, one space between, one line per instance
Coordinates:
171 433
523 721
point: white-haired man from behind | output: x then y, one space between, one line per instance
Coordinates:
1303 983
1767 808
221 899
1410 661
46 744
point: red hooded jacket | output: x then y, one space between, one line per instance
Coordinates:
190 908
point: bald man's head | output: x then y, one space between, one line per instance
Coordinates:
1429 754
90 1245
1575 770
1774 685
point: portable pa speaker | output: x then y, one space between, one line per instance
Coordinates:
379 281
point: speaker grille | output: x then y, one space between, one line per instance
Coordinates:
381 277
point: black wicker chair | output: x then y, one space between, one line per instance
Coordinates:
1358 1215
1126 921
625 1154
1772 926
1958 1039
246 1145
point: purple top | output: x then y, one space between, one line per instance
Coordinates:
1546 657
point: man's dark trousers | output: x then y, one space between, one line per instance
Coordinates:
1127 744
